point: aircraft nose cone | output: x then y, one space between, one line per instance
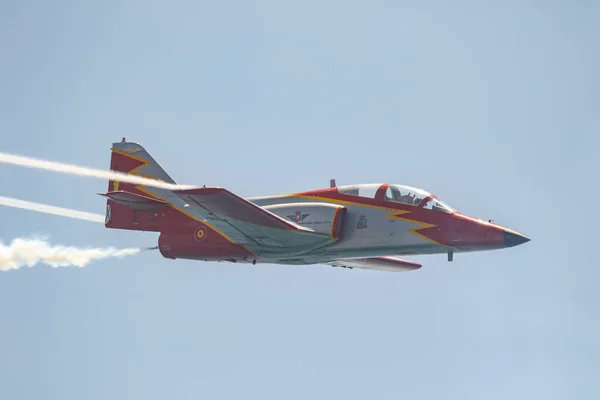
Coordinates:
514 239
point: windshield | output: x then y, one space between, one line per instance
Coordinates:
405 194
437 205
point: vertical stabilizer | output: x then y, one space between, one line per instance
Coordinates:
141 211
132 158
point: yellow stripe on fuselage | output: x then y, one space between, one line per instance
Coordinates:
394 215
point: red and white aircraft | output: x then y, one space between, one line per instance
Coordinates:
354 226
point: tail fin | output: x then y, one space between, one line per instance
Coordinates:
132 158
128 206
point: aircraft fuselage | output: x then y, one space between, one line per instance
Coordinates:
364 225
375 227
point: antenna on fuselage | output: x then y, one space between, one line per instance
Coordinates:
332 183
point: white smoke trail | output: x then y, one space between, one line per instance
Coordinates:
85 171
27 252
47 209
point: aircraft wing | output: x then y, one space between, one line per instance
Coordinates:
246 223
377 263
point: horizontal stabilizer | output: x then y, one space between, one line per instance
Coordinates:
134 201
377 263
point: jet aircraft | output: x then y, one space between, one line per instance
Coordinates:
351 226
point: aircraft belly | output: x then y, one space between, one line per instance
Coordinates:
324 257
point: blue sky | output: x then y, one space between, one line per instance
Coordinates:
493 106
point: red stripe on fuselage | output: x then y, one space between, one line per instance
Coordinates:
448 229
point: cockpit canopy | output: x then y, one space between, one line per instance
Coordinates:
405 194
396 193
436 204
